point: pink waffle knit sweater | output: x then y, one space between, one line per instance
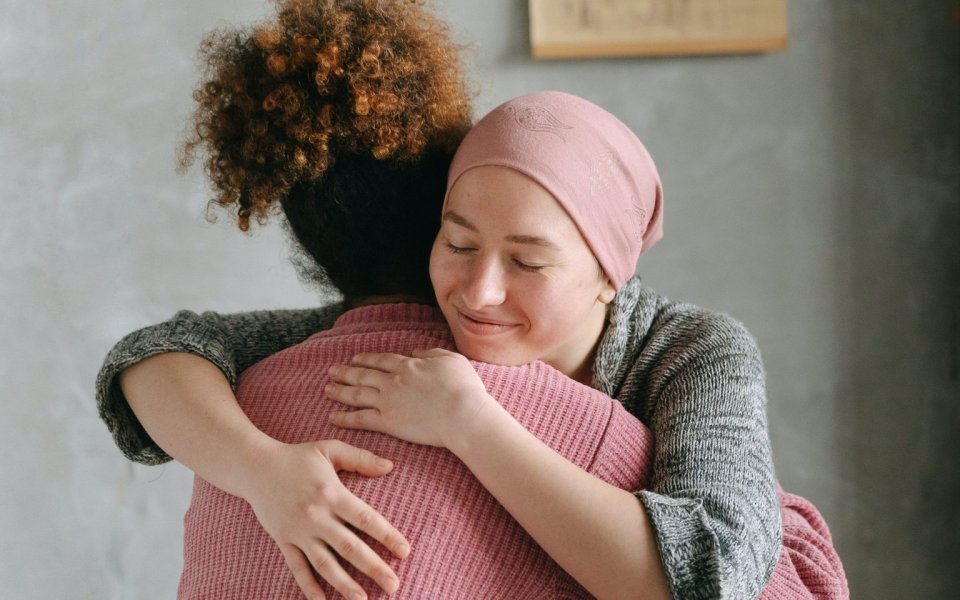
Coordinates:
464 544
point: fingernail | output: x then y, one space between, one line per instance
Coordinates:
382 462
358 596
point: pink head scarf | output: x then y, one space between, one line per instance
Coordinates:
591 163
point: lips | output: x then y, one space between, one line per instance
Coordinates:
479 325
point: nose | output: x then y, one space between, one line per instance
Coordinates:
484 285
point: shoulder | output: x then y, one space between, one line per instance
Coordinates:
684 336
697 351
681 327
663 341
306 319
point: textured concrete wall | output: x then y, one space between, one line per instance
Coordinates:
814 194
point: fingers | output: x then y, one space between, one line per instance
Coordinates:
345 457
302 572
367 419
355 386
382 361
362 516
359 397
315 538
353 550
357 375
355 511
325 564
432 352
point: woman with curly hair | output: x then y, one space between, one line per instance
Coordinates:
344 116
340 103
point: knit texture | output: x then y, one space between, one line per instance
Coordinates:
694 377
808 568
231 342
465 544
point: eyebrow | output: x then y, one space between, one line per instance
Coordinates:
459 220
531 240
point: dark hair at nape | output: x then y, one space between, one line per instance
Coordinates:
369 224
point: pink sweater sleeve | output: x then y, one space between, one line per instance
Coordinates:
809 567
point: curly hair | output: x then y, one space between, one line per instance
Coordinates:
283 100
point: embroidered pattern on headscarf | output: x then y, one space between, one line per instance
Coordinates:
537 118
602 172
637 215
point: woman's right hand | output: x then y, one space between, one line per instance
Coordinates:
187 406
298 497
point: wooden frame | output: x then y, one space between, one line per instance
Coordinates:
595 28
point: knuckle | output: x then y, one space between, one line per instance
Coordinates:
324 496
363 456
348 547
351 393
365 519
322 562
364 377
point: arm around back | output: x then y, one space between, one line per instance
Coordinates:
229 342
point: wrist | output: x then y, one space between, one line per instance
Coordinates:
479 418
252 456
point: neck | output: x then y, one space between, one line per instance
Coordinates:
576 360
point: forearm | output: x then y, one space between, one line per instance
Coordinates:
188 408
595 531
231 342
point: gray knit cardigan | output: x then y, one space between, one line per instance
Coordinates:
694 377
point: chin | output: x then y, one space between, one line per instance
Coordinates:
493 355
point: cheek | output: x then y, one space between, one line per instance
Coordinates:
557 308
554 319
439 270
543 303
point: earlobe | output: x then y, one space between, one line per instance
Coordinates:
607 293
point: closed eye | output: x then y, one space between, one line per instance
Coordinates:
525 267
459 249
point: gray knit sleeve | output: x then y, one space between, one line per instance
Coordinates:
231 342
713 495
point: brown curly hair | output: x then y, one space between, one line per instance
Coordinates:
281 101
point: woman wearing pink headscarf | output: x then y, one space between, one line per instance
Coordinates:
550 202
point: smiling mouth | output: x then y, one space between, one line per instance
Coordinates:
477 326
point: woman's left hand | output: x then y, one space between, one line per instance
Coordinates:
426 399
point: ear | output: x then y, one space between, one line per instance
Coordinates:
607 292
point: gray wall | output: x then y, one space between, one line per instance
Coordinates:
814 194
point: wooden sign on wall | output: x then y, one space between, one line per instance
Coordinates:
590 28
